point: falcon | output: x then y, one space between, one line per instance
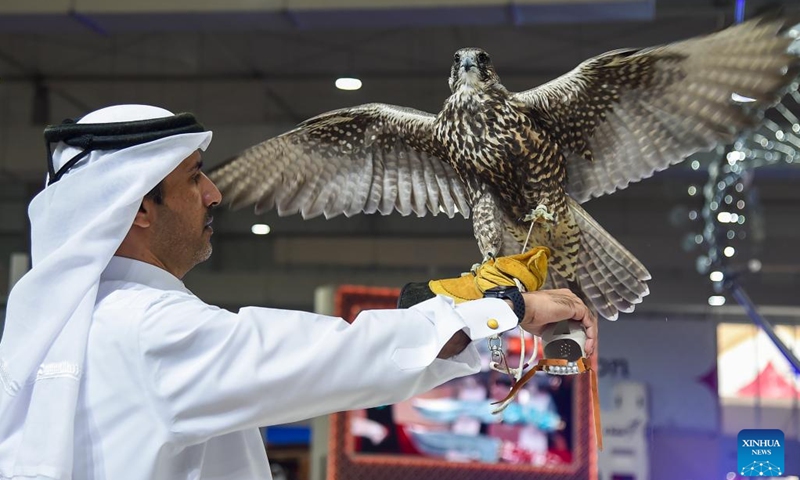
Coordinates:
523 162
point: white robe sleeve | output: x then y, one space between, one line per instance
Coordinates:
211 372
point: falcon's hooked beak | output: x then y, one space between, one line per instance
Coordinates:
467 64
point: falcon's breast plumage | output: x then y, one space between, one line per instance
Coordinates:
615 119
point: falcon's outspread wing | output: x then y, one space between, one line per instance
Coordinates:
625 114
373 157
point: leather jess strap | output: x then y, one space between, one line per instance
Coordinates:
584 366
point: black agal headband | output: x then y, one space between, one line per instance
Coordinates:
112 136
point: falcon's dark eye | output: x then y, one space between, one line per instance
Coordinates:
456 58
483 57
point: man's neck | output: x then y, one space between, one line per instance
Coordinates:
147 257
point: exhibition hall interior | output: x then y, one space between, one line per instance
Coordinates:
710 352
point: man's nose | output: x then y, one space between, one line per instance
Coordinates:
211 194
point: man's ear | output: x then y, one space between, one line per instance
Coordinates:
144 217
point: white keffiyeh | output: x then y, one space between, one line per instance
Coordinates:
77 224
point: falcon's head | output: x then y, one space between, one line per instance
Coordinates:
472 68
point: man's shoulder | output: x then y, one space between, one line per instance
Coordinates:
133 298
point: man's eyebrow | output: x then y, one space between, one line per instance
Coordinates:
197 166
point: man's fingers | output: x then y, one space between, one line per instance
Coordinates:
589 345
553 306
589 323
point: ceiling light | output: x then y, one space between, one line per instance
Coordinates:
716 276
729 251
716 300
348 83
260 229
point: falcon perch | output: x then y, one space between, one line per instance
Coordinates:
533 156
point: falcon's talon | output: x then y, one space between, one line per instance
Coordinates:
474 269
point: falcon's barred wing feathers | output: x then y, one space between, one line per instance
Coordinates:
626 114
369 158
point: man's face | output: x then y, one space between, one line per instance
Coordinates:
181 229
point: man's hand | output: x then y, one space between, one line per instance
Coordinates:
544 307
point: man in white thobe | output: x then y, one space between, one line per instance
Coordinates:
112 369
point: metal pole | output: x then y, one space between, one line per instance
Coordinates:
739 294
324 303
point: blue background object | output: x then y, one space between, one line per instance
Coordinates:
295 435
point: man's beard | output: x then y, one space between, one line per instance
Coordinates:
180 241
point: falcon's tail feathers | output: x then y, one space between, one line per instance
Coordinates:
610 278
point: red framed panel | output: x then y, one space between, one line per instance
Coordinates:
346 462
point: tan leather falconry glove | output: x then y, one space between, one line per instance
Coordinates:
530 268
